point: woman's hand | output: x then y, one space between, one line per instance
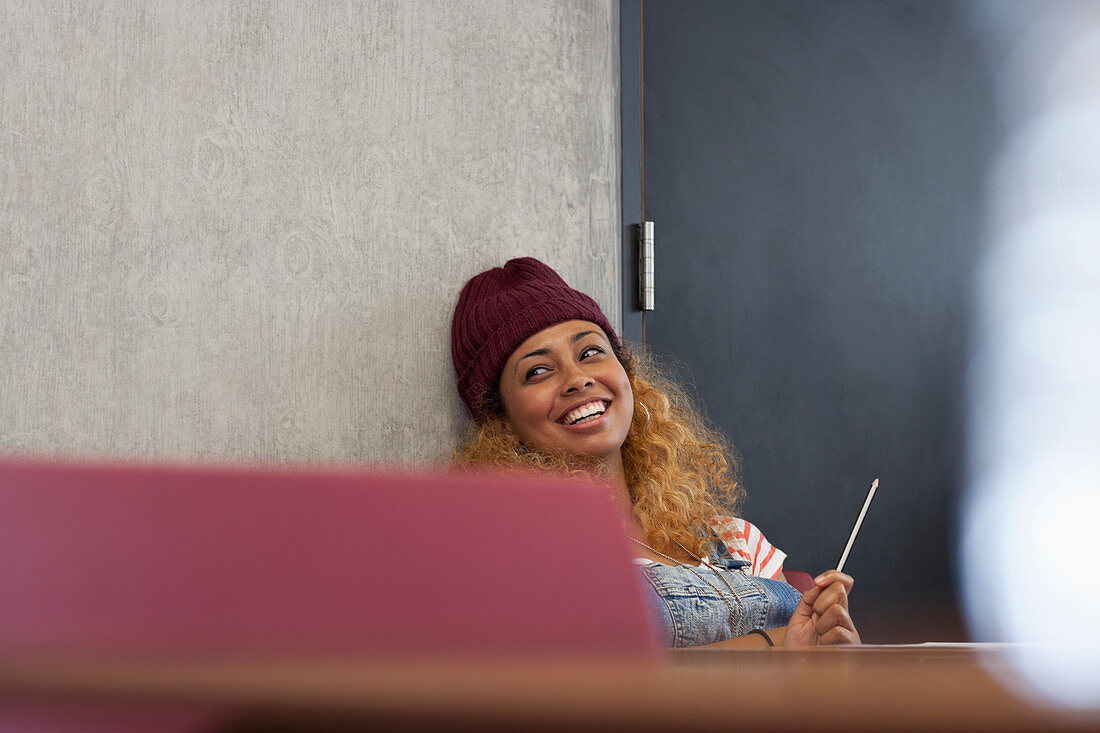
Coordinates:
822 615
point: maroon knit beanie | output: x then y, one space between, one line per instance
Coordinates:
500 309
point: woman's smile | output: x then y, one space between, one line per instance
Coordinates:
587 414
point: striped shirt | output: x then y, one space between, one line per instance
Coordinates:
746 542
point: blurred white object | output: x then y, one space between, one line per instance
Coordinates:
1031 542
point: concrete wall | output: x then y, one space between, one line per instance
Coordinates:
235 231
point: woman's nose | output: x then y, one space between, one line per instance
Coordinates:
575 380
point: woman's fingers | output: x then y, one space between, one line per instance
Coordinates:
821 616
806 611
833 618
835 594
834 576
839 635
832 622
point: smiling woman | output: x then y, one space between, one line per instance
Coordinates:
550 386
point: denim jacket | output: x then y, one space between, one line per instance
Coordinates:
691 611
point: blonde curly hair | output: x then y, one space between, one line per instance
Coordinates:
680 471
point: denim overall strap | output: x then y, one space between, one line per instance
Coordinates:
692 611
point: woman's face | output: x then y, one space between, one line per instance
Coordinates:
564 390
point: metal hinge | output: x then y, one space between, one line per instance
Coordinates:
645 266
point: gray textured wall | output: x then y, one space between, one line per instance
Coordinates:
235 231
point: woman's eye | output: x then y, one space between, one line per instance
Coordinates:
590 351
536 371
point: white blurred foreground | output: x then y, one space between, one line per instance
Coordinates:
1031 543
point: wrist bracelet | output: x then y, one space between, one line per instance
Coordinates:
764 634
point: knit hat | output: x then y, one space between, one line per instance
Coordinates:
500 309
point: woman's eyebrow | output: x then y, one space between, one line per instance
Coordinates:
581 335
537 352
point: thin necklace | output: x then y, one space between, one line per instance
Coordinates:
700 576
691 554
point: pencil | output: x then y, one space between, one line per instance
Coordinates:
855 529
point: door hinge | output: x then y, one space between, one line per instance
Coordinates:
645 266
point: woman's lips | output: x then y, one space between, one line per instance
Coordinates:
590 412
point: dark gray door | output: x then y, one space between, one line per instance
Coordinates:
814 172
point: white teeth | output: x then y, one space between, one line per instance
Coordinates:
584 411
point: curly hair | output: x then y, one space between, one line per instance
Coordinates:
680 471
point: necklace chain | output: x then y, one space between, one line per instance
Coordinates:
700 576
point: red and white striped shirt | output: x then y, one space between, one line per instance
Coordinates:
746 542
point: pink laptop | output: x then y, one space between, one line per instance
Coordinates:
190 560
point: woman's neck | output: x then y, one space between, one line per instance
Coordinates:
615 475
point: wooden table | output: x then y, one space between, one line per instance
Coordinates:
853 689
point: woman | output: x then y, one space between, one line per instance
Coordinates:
549 385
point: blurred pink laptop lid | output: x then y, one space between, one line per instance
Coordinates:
152 559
